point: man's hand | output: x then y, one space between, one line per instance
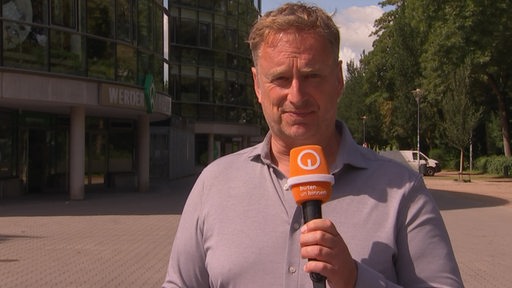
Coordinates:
321 241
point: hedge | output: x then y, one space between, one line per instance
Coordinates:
497 165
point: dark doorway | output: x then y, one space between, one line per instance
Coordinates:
37 160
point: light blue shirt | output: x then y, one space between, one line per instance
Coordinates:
241 226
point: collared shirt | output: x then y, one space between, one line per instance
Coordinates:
240 226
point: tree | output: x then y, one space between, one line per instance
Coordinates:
477 32
393 71
460 114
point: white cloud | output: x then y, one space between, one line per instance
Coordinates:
356 25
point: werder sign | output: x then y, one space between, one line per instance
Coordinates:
133 98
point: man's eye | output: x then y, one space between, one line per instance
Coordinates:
282 80
313 76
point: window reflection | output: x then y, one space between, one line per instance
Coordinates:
100 59
144 24
66 53
100 18
25 53
124 19
63 13
126 64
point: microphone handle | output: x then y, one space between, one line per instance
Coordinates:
313 210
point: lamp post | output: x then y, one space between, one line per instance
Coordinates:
417 94
364 129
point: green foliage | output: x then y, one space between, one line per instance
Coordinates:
496 165
424 44
460 114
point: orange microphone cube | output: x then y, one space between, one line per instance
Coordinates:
309 174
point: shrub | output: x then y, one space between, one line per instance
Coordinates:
497 165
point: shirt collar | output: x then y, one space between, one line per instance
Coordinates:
349 152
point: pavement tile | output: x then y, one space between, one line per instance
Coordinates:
123 238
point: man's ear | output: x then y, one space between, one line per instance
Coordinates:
256 83
341 81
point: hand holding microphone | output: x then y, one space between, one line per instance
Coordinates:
310 183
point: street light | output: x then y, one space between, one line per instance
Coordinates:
364 129
417 93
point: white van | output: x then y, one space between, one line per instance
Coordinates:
410 157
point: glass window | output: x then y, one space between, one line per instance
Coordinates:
124 21
220 5
144 66
63 13
7 147
188 89
166 36
25 46
157 74
100 18
232 61
206 4
232 7
220 59
219 91
174 29
187 32
188 2
66 53
205 32
100 58
206 57
126 64
159 32
220 38
206 112
39 12
188 56
173 86
166 78
145 29
205 89
120 151
231 37
188 110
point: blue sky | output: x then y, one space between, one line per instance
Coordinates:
354 18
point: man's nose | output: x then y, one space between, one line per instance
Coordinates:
297 93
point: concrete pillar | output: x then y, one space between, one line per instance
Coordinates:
211 145
143 137
77 153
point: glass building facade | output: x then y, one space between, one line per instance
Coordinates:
210 60
112 40
210 75
81 81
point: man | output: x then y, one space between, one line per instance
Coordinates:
241 226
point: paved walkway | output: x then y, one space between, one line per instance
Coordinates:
123 239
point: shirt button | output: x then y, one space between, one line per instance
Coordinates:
296 226
292 269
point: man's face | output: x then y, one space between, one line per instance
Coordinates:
298 84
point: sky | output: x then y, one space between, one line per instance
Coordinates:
354 18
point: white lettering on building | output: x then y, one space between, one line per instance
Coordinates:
125 97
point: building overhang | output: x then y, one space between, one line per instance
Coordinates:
57 94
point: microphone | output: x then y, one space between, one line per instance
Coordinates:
311 185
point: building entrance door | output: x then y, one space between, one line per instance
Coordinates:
37 172
96 157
